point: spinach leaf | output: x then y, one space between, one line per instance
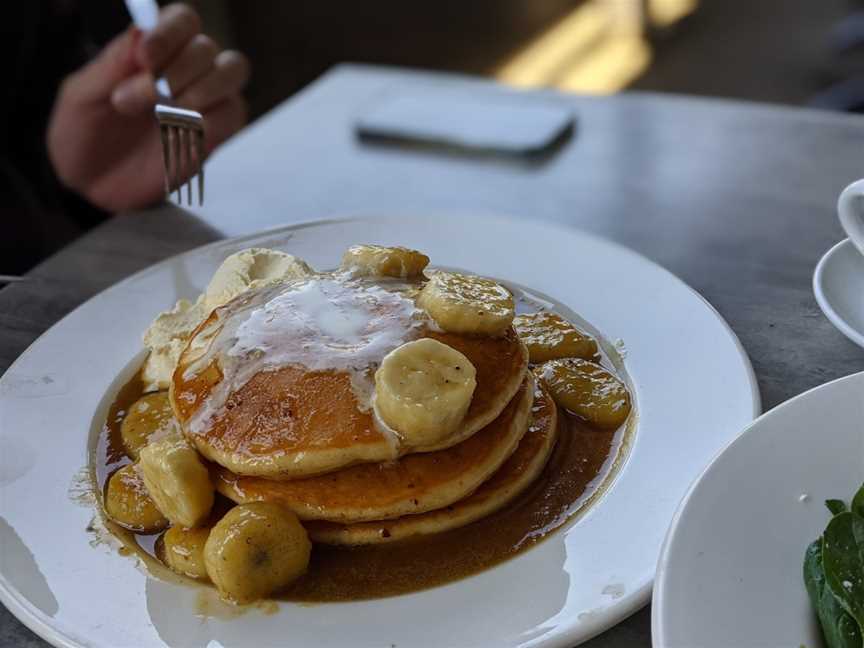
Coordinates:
858 502
838 628
843 562
836 506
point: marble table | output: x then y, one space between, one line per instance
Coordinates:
737 199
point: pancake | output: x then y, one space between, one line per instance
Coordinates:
414 484
294 400
517 473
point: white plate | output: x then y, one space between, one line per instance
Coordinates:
839 287
694 388
730 573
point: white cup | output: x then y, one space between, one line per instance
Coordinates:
850 208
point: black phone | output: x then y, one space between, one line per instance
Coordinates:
467 121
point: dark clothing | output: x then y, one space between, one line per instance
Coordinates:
40 44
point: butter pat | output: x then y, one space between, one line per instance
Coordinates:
245 270
250 269
165 338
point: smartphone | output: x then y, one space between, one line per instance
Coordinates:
470 122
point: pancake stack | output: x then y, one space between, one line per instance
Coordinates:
377 402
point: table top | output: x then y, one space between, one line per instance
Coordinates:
737 199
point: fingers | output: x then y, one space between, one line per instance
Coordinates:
199 75
193 62
178 24
96 80
135 95
227 77
223 120
176 44
204 81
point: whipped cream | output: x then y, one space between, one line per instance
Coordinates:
245 270
250 269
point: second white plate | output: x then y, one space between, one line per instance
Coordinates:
838 284
731 569
693 385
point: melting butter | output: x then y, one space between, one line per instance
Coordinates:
328 322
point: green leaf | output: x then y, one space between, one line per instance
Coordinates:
858 502
843 562
839 629
836 506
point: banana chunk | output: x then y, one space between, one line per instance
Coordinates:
254 550
149 417
467 304
177 480
182 550
129 505
423 390
549 336
380 261
588 390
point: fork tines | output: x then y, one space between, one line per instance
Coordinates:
182 134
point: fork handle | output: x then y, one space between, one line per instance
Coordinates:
164 90
145 15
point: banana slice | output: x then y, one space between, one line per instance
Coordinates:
549 336
254 550
467 304
380 261
129 505
423 390
588 390
148 417
182 550
177 480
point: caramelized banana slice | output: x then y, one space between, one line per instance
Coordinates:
380 261
254 550
467 303
177 481
549 336
423 389
182 550
148 417
129 505
588 390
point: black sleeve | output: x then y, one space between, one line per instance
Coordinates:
47 40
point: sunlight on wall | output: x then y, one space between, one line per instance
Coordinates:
664 13
598 48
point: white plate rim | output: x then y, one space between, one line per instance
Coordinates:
824 304
632 601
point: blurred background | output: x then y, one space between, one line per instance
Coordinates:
797 52
792 52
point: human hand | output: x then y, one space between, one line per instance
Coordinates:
102 138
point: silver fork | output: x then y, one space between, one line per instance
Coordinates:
182 133
181 130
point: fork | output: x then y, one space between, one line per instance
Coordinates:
181 130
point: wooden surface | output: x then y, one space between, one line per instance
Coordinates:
736 199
